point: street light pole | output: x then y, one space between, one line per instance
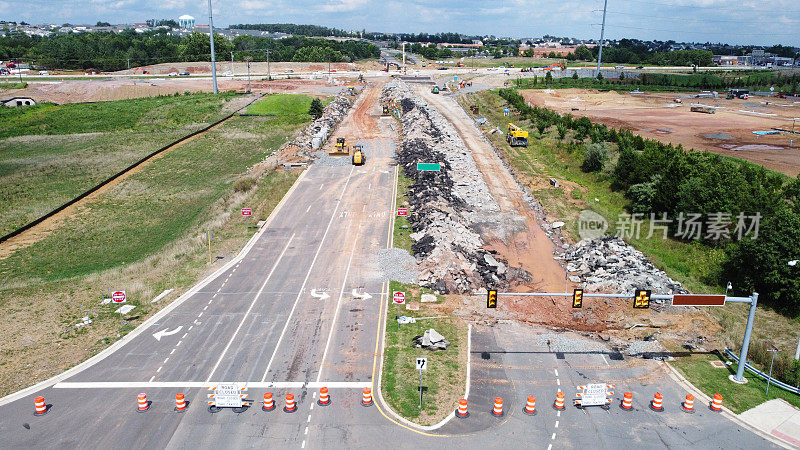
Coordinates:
739 377
213 62
772 360
602 34
248 74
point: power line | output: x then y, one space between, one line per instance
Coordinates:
686 19
713 7
698 32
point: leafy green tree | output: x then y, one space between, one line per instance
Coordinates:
595 157
548 78
562 130
315 110
583 53
575 75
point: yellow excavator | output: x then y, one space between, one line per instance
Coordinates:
340 148
516 136
359 157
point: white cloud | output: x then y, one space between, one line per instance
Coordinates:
343 5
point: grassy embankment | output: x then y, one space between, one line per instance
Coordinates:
10 85
443 382
51 154
143 236
695 265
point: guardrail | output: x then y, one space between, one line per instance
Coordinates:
764 376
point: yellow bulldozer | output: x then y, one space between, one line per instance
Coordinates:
516 136
340 148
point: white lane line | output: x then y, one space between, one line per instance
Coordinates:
320 186
304 444
309 418
554 437
558 381
173 351
178 344
308 274
370 186
558 414
201 384
312 407
200 315
556 371
549 447
205 307
336 312
159 369
556 424
190 327
309 208
214 296
152 378
165 361
604 359
306 432
252 304
364 208
184 335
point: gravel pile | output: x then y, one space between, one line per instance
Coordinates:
449 207
322 158
398 265
647 349
315 134
609 263
566 344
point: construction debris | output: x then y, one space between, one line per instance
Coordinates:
431 340
315 134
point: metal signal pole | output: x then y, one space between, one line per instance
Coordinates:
602 34
213 62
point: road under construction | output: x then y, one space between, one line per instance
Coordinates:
302 308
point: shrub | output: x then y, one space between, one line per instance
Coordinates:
595 157
244 184
315 110
562 130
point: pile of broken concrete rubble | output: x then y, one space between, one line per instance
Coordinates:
609 264
449 207
316 133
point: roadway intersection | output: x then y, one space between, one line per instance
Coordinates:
284 319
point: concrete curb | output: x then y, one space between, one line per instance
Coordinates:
681 380
108 351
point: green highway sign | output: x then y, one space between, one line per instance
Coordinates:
433 167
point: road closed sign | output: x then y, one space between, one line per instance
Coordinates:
247 212
402 211
399 297
228 395
595 394
118 297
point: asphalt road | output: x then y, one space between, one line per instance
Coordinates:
284 319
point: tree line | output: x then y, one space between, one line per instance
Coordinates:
117 51
663 178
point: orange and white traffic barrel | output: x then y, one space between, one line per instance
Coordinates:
498 406
559 403
530 406
366 399
462 412
291 406
144 405
180 402
324 397
688 404
39 406
269 404
627 401
656 404
716 404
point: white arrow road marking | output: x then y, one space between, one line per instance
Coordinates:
164 332
364 296
321 296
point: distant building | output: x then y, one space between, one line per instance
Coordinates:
18 101
186 21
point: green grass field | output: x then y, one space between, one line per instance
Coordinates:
144 235
402 236
50 154
697 368
443 383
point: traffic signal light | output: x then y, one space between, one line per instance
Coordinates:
641 300
491 299
577 298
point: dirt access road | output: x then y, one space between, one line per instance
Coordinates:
657 116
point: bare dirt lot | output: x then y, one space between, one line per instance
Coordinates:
657 116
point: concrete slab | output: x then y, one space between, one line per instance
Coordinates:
776 417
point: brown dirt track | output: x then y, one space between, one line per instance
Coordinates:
649 116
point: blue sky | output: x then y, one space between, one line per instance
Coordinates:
738 22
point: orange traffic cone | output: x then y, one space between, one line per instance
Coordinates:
291 406
366 399
688 405
498 406
324 398
655 405
627 402
269 404
530 406
559 404
40 408
180 403
144 405
716 404
462 412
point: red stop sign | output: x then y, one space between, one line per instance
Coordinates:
118 296
399 297
247 212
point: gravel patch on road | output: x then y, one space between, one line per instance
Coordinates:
326 160
566 344
398 265
644 348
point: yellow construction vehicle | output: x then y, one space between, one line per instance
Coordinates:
516 136
435 90
359 157
385 111
340 148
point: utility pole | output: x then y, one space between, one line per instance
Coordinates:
213 62
129 63
247 58
602 34
231 62
269 76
